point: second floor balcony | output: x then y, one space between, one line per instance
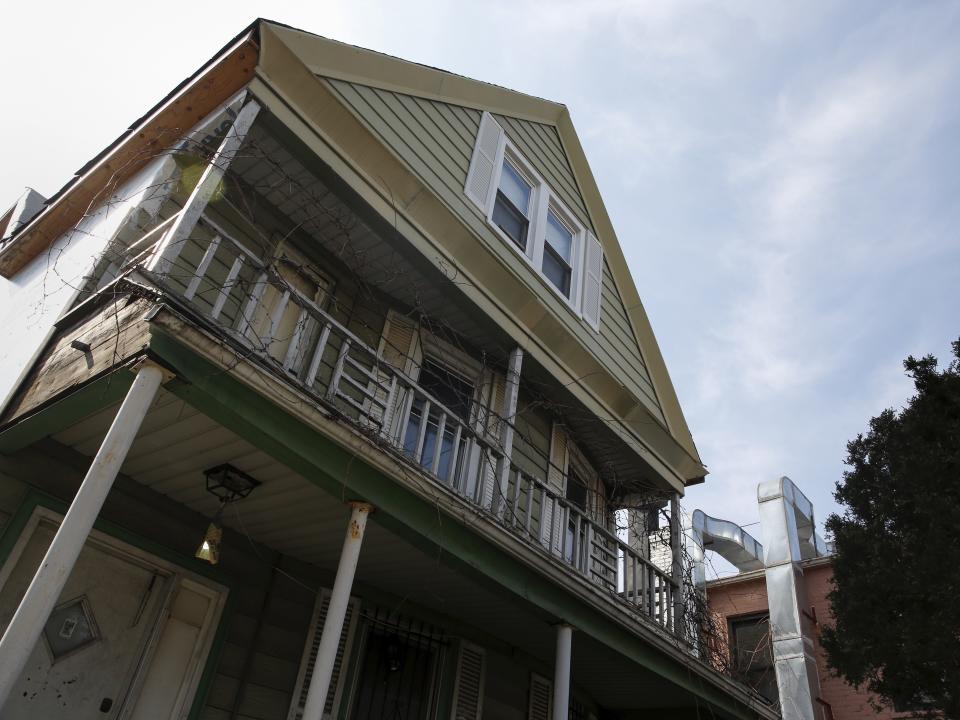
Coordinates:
307 284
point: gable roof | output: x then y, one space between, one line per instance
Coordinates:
340 61
234 66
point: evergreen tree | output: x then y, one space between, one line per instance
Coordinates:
896 592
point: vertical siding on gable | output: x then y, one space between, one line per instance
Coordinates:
435 140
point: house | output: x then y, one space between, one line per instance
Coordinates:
325 384
765 619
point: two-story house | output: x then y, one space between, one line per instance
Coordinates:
326 384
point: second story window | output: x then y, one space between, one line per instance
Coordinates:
511 207
558 254
529 216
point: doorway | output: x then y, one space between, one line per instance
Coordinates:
128 638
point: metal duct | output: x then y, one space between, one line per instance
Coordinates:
726 538
789 536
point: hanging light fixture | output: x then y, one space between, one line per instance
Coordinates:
228 484
209 549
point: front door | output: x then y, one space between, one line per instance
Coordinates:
112 618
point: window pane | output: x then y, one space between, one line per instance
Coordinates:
560 239
448 387
556 271
753 655
508 219
515 188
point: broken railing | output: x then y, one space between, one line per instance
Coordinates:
277 317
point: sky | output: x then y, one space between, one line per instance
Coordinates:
783 177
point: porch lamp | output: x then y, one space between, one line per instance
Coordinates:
226 483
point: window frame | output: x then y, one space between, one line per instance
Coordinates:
542 201
745 620
578 234
526 175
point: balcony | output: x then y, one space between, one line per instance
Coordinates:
273 316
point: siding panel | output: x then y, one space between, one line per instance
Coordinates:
436 141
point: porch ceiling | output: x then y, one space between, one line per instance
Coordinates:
288 513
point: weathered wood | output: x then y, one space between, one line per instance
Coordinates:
115 334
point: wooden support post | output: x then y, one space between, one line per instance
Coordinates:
169 248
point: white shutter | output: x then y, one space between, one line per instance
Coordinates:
556 481
468 684
483 165
541 698
592 282
309 658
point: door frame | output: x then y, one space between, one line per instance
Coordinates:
33 511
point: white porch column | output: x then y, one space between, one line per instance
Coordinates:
336 612
169 248
509 414
676 566
47 584
561 673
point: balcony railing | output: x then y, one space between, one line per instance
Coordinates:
277 320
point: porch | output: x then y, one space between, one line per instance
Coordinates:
437 573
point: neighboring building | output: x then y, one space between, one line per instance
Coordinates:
741 606
317 284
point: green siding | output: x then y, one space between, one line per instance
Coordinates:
436 141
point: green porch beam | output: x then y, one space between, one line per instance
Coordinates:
92 397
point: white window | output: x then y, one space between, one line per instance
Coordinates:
511 205
559 245
529 217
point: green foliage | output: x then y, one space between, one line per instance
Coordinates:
896 593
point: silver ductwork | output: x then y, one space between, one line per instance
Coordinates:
727 539
789 536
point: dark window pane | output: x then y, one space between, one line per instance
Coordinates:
510 220
556 271
448 387
559 237
752 653
576 491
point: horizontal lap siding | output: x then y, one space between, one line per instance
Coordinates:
616 328
436 141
